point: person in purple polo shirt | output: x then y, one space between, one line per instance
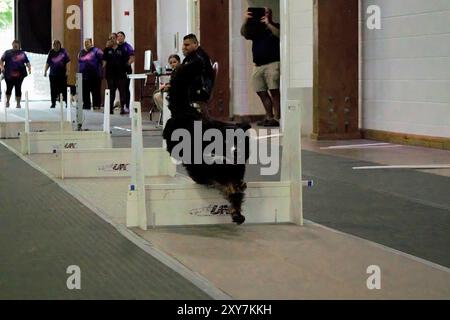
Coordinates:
129 50
14 65
58 61
90 66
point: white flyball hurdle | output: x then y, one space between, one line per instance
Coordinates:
181 202
113 163
12 129
57 140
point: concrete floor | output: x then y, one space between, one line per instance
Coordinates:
281 261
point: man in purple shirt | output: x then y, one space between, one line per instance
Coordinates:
130 58
14 64
59 63
90 66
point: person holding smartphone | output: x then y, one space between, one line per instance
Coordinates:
264 33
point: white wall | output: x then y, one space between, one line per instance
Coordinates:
121 22
88 20
301 43
406 68
172 21
241 63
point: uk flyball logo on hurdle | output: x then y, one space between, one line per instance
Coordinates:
213 210
67 146
71 145
115 167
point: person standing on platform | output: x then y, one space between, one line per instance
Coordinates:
114 62
14 64
58 61
90 66
265 37
129 50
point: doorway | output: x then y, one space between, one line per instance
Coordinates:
215 39
37 86
6 30
245 102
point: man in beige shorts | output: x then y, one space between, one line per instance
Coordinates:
265 36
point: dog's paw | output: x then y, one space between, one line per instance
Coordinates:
238 219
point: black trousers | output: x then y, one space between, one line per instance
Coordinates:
128 97
113 86
14 83
92 86
58 85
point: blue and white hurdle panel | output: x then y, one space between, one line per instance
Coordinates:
55 141
181 202
11 127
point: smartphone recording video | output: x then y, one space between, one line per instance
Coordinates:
257 13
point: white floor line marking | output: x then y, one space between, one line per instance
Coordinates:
122 129
192 276
268 137
383 247
418 167
359 146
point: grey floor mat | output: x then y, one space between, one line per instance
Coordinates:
404 209
44 230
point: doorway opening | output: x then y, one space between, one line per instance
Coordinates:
37 86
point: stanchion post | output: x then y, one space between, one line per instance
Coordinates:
69 105
4 106
27 121
291 169
61 134
132 95
107 115
136 207
79 86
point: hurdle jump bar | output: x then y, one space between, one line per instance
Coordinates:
187 203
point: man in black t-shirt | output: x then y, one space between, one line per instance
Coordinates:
265 37
115 64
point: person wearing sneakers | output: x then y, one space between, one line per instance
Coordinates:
15 63
58 62
130 59
90 61
265 37
114 63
